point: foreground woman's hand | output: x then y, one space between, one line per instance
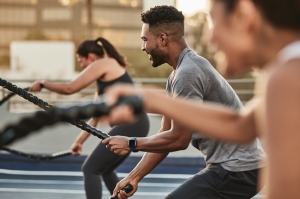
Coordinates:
124 113
120 114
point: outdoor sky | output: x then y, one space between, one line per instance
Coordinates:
189 7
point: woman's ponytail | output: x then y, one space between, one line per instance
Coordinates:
111 51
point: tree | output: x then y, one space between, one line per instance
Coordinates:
197 27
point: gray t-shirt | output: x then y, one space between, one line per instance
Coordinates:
195 78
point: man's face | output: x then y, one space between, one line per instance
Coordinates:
151 46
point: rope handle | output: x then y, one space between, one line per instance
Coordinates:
128 188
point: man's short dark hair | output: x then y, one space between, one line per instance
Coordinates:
164 18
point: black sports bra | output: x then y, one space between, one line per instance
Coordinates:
125 78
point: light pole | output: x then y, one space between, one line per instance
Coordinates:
89 18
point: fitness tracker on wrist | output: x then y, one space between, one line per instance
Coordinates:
132 144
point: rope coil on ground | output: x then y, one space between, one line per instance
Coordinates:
37 157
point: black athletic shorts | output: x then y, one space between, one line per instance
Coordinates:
214 182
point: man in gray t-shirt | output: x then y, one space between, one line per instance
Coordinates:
195 78
232 169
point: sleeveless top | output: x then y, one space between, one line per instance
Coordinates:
291 51
101 86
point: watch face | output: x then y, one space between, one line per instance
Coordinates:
132 143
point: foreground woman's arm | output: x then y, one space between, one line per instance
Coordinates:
283 133
212 120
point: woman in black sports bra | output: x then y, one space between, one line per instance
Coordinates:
105 71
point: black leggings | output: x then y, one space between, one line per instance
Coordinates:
214 182
102 162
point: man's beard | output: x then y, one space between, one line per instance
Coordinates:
157 56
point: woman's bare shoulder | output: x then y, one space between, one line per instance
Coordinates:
286 73
285 81
104 64
105 61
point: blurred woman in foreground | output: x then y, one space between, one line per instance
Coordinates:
260 33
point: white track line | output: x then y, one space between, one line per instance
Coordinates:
75 173
81 192
59 191
70 182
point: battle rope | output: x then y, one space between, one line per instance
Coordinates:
6 98
37 157
47 107
55 115
27 155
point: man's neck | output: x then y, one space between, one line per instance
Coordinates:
174 53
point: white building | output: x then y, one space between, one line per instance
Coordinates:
42 60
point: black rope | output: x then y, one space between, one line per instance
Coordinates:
23 93
55 115
47 107
27 155
6 98
37 157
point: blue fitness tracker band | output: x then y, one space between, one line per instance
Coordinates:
132 144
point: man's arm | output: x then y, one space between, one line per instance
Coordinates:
174 139
177 138
150 160
145 166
